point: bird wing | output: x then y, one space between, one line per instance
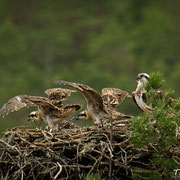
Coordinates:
70 109
115 95
120 116
21 101
92 97
138 99
58 93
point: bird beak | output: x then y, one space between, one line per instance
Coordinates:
138 78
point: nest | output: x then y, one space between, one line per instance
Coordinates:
70 153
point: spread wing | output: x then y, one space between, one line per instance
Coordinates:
115 95
18 102
70 109
57 95
92 97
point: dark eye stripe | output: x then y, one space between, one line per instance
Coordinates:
82 115
32 115
146 77
143 76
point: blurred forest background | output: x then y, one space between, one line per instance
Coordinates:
100 43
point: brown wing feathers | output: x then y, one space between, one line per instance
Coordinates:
55 97
16 103
91 96
70 109
115 95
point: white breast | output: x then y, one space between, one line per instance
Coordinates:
142 104
95 116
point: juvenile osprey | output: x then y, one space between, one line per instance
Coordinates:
49 110
115 95
97 109
139 94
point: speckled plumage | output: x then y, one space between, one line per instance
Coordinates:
97 108
49 110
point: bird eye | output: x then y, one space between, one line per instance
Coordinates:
83 114
146 77
32 115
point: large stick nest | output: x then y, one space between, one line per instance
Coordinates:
70 153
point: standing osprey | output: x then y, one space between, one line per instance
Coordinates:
139 94
49 110
97 109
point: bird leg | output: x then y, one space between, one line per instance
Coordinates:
50 122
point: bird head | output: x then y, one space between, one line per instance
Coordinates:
143 78
33 116
82 115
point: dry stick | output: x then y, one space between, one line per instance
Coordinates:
92 168
60 170
77 154
110 118
11 147
99 159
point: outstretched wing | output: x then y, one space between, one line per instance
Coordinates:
18 102
57 95
92 97
14 104
70 109
115 95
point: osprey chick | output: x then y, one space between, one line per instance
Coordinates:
97 109
49 110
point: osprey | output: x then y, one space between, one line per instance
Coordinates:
139 94
49 110
115 95
97 106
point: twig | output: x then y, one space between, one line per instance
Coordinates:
11 147
92 168
110 118
110 144
94 150
80 135
59 172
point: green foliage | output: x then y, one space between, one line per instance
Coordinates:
158 131
143 131
165 165
140 174
102 44
176 106
92 177
155 81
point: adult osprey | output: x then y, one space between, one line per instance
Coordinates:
97 106
49 110
139 94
